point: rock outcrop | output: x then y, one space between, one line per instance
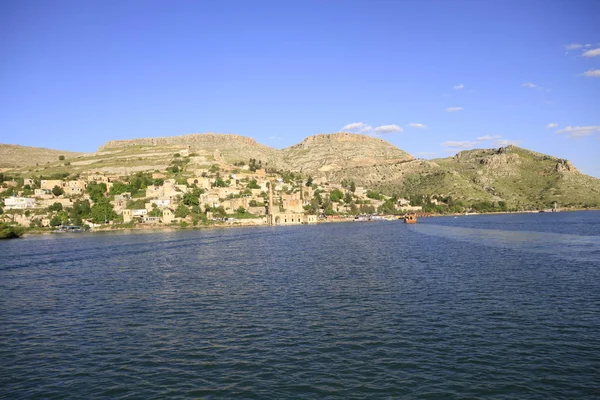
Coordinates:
331 152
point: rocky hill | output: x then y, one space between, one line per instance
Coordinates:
513 175
331 152
15 156
222 147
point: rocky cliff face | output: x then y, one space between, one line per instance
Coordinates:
330 152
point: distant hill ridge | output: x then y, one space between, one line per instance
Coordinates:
193 140
15 156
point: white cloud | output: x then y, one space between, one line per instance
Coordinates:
592 53
592 73
579 131
453 109
359 127
460 144
551 125
459 86
505 142
387 129
573 46
417 125
488 137
534 86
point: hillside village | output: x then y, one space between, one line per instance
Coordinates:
242 194
221 179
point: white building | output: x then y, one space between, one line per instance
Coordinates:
19 203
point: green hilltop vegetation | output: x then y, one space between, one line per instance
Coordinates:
508 178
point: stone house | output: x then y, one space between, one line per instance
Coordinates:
212 199
201 182
168 216
49 184
48 202
223 192
73 188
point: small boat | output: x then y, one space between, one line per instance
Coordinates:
68 228
410 219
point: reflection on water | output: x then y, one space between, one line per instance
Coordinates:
583 248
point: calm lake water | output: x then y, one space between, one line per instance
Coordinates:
497 306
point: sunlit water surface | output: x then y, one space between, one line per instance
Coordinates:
499 306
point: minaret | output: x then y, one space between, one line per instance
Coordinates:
270 219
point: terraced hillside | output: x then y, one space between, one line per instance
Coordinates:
125 157
213 146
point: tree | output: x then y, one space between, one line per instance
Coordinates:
388 207
120 188
253 184
27 191
155 212
348 198
182 211
61 158
191 198
219 212
136 204
57 191
219 182
96 190
55 221
102 211
55 207
352 187
374 195
240 210
252 164
214 168
10 232
336 195
81 209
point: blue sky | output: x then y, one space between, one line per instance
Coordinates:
431 77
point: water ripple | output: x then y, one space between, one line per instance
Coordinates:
444 309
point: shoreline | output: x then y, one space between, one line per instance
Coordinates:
170 228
